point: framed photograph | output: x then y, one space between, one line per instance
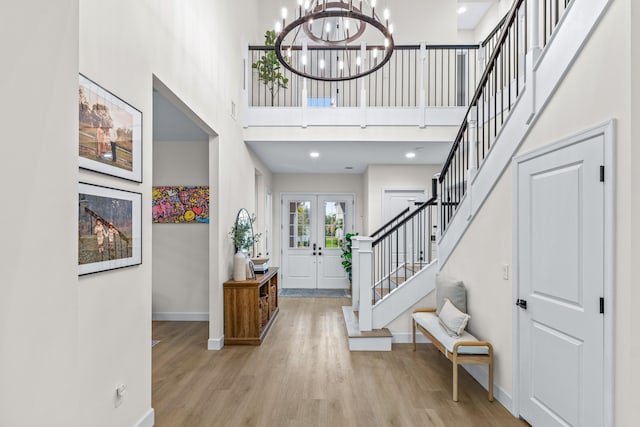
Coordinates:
180 204
110 133
109 228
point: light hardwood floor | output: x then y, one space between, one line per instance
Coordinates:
304 375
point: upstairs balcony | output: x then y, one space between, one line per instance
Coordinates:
422 85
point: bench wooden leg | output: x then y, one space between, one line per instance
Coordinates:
455 381
491 378
413 324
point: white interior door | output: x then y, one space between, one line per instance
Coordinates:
313 229
395 201
560 223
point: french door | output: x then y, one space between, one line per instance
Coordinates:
313 230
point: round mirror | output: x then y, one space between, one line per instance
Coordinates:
243 237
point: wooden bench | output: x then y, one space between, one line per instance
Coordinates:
459 350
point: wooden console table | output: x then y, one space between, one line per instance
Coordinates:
250 307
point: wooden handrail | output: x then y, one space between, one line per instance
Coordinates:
431 202
483 81
494 31
395 218
396 47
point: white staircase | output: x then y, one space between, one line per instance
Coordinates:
378 301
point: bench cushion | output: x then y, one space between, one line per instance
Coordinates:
431 323
454 290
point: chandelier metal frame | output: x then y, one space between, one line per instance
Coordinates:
334 9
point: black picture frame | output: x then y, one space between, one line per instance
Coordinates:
109 132
109 228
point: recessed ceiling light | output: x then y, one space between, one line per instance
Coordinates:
461 10
410 155
314 154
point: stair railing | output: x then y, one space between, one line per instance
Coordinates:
404 249
500 85
392 222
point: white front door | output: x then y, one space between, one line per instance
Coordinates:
313 229
560 226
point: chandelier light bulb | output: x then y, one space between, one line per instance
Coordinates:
343 25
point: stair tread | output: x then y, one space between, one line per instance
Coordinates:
351 322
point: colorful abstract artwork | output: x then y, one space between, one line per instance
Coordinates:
182 204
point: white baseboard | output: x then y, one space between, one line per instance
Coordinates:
405 338
172 316
370 344
147 420
480 374
215 343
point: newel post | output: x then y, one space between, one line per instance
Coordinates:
472 125
532 55
355 273
439 219
364 266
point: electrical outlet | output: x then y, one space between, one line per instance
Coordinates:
505 271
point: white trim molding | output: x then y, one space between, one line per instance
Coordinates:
215 343
172 316
147 420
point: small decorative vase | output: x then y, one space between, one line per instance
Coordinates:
239 267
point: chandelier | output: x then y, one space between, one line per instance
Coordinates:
334 40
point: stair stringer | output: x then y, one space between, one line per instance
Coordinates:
405 296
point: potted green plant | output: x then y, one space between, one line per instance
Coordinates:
346 254
268 68
242 235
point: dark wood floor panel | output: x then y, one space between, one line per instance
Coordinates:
304 375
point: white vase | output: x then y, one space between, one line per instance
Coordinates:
239 267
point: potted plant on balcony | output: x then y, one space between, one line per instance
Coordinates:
268 68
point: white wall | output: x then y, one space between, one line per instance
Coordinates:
381 177
437 19
593 92
39 263
312 183
192 50
627 410
180 251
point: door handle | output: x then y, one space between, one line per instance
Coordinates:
522 304
320 253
